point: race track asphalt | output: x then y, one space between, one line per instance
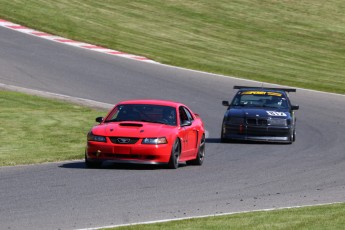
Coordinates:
235 176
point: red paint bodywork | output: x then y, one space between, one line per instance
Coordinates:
188 136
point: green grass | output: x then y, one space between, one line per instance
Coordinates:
307 218
297 42
36 130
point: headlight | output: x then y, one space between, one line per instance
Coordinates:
91 137
155 141
277 122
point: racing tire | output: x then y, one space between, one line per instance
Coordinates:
292 137
175 155
199 160
226 140
90 164
222 139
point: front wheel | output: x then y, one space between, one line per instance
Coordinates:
200 155
175 155
90 164
292 137
223 139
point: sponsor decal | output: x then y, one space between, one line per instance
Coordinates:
278 114
274 94
261 93
253 93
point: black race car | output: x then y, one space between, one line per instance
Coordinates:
260 114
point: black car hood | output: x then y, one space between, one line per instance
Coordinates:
258 112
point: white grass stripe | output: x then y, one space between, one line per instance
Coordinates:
26 30
77 44
6 23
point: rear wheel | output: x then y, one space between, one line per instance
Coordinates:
175 155
200 155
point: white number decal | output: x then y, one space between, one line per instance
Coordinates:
279 114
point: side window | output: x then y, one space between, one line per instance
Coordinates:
183 115
113 114
189 115
236 100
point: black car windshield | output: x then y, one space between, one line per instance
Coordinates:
260 99
144 113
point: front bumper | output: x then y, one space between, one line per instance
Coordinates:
257 133
128 153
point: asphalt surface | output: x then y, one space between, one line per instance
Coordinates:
234 177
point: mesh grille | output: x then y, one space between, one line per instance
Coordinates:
256 121
123 140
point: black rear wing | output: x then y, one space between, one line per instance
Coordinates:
255 87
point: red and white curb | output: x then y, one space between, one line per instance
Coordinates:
23 29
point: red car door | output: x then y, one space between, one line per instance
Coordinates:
189 133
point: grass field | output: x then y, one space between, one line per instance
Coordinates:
36 130
297 42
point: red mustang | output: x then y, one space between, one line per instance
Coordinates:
147 132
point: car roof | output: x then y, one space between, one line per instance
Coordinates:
152 102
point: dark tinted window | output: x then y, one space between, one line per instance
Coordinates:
260 99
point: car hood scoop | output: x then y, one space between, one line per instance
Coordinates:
133 129
131 124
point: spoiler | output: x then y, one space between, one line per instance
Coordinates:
255 87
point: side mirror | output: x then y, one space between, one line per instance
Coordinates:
186 123
225 103
294 107
99 119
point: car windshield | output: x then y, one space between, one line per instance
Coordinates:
144 113
260 99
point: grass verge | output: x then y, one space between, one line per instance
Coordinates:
298 42
306 218
36 130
